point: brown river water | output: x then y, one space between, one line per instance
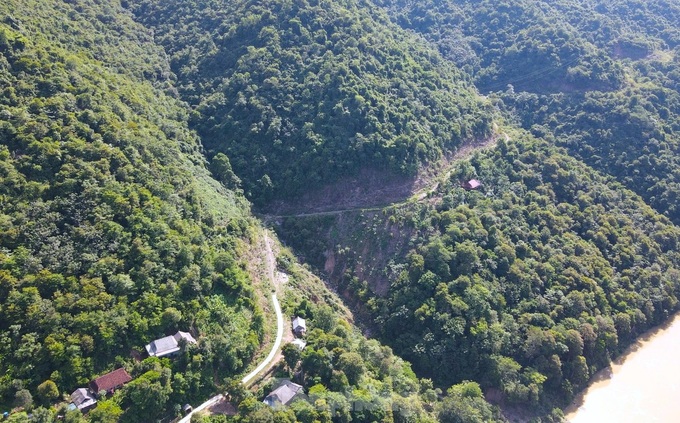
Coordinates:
643 385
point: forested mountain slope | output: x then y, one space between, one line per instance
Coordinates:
602 76
523 43
113 233
542 46
300 93
534 282
528 285
133 133
632 134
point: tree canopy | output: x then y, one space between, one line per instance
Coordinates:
298 94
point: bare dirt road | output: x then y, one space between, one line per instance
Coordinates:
372 202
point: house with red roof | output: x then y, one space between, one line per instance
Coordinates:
110 381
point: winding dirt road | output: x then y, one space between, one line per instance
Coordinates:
419 195
270 262
275 348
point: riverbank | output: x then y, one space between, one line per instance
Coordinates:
641 385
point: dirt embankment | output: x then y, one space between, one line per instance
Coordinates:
373 188
359 238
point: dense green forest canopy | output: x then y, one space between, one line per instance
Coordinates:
536 281
132 132
602 76
300 93
111 231
542 46
511 275
528 285
632 134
